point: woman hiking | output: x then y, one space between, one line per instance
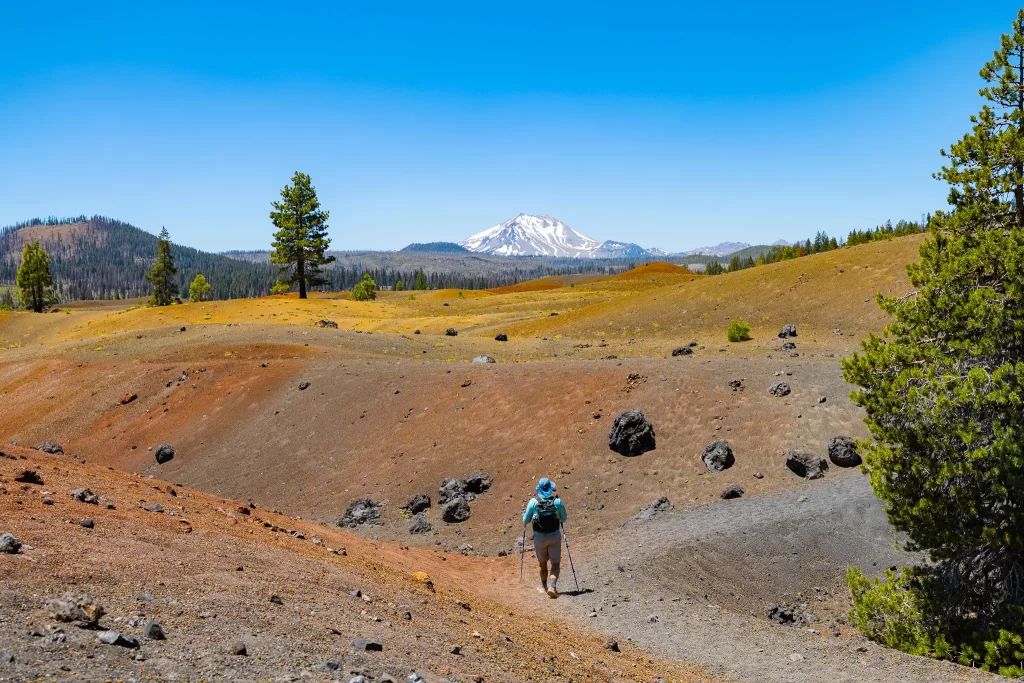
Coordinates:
547 512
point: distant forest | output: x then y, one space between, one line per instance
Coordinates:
102 258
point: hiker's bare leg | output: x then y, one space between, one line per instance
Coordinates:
544 575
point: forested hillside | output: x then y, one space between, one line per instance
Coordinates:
102 258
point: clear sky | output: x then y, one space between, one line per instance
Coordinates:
671 125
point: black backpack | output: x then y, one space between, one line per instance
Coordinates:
546 521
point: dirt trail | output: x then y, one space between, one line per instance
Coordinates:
708 573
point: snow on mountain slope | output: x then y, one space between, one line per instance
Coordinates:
525 235
723 249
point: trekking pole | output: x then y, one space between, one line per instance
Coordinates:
573 568
522 554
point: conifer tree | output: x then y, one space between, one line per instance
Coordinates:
301 242
944 396
34 278
161 275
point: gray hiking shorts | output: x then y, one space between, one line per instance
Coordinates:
548 547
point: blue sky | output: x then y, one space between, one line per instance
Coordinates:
666 124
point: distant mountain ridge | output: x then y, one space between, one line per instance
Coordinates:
435 248
526 235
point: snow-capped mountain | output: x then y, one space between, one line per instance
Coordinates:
723 249
525 235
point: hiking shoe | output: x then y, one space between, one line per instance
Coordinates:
552 590
541 589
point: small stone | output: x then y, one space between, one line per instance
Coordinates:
238 648
115 638
611 644
85 496
356 593
154 631
367 645
501 336
796 657
682 351
779 389
52 448
276 599
455 650
158 508
732 491
47 501
451 332
87 523
144 597
484 358
653 619
304 385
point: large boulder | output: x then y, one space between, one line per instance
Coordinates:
455 511
76 608
361 511
631 433
787 331
419 525
85 496
9 544
731 491
52 448
478 482
842 451
451 489
806 464
417 504
779 389
718 456
164 453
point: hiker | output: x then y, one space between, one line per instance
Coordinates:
547 512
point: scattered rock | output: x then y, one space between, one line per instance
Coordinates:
48 501
501 336
276 599
158 508
611 644
692 342
822 399
779 389
52 448
451 489
29 477
661 505
484 358
786 614
361 511
327 323
758 475
417 504
456 511
154 631
787 331
303 386
76 608
87 523
736 384
682 351
631 433
367 645
455 649
718 456
238 648
164 453
842 451
806 464
420 525
6 657
128 398
10 544
732 491
451 332
85 496
788 346
653 619
115 638
478 482
416 332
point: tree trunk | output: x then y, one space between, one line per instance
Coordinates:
301 272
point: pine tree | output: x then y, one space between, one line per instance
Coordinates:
199 290
161 275
301 242
364 290
987 164
944 396
421 281
34 278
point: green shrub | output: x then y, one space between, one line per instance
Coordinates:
281 287
364 290
399 286
896 613
738 331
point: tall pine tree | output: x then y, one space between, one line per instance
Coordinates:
34 278
300 243
161 275
987 164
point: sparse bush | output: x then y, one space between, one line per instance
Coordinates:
364 291
738 331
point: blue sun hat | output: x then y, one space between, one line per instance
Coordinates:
545 488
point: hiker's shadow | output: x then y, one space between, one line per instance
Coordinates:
582 591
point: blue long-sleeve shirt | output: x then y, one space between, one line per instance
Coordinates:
531 512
